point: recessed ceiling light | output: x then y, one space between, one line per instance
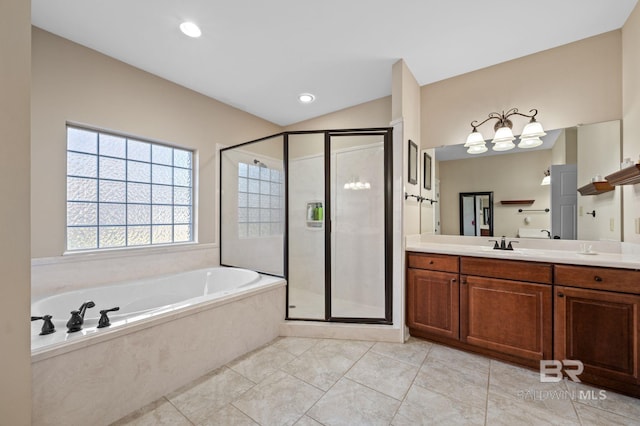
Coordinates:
190 29
306 98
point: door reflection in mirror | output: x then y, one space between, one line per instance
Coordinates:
476 214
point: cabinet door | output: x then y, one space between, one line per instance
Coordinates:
599 328
433 302
511 317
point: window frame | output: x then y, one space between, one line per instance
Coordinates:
124 203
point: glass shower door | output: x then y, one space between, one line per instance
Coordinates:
358 276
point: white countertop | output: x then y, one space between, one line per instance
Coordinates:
610 254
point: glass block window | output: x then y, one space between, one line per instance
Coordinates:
260 201
124 192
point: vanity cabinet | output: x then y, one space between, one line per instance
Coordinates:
597 321
433 295
481 304
525 312
506 306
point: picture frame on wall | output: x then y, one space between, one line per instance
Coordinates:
426 170
413 163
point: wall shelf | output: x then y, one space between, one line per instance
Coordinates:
520 202
626 176
595 188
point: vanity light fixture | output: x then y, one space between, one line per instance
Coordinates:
503 139
355 184
190 29
306 98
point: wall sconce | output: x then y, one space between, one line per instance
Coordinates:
503 139
546 180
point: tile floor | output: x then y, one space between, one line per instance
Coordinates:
303 381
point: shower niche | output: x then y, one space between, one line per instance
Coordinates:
302 218
315 215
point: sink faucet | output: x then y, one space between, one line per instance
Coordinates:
503 244
77 317
547 231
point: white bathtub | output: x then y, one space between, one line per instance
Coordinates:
169 330
137 300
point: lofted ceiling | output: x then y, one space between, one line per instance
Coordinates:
258 56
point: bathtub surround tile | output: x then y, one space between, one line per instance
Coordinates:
261 363
202 399
383 374
424 407
158 413
413 351
350 403
279 399
151 362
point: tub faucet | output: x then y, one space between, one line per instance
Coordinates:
77 317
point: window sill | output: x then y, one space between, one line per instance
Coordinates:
115 253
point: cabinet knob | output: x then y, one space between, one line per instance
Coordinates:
560 294
597 278
453 280
431 262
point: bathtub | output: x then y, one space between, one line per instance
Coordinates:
169 331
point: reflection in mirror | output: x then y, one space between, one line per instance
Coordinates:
516 175
476 214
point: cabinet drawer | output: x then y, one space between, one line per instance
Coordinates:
507 269
433 262
612 279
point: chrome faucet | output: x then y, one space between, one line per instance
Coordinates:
77 317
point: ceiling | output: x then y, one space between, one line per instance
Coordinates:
259 55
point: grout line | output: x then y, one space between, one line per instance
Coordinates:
178 410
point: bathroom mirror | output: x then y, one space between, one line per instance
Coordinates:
515 177
413 163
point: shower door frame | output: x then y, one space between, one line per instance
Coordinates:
387 134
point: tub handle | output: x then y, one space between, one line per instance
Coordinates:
104 319
47 327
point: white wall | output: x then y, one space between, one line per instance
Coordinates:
71 83
599 154
631 119
15 80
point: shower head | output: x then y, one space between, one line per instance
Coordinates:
259 163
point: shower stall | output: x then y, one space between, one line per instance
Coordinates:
315 208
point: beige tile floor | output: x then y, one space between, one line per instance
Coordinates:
303 381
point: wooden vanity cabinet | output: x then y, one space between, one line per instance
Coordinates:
502 312
598 326
433 295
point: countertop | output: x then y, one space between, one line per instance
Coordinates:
607 254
